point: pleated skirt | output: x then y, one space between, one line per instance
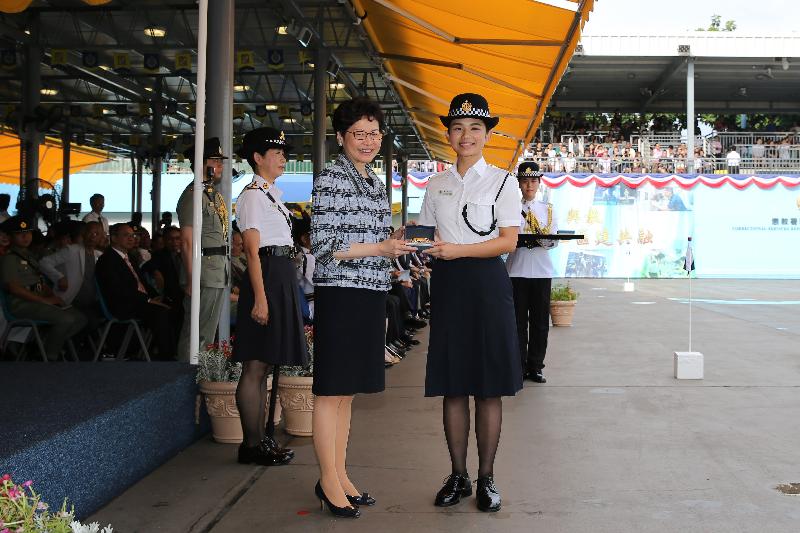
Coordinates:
473 349
349 341
282 341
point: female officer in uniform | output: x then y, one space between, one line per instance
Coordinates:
473 347
269 330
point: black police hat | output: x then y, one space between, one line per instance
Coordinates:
212 149
529 169
262 139
470 105
17 224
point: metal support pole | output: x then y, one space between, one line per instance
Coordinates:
388 156
197 216
31 87
66 145
318 152
133 184
690 115
155 143
219 119
404 176
139 183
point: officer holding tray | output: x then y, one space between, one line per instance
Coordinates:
531 273
215 267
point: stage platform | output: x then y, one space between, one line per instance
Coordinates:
88 431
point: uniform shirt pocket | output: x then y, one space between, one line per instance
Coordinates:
480 212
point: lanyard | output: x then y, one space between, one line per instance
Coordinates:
494 219
274 202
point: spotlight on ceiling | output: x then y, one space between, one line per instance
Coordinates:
240 88
271 107
336 86
155 31
48 92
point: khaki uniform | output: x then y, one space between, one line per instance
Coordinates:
20 267
215 264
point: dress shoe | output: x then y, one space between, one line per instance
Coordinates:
455 486
487 496
270 443
261 456
536 377
410 340
363 499
399 346
344 512
416 323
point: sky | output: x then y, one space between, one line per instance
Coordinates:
637 17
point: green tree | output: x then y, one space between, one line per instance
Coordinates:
716 25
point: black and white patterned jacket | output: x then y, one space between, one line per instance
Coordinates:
346 210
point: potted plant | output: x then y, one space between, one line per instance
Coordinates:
22 509
562 304
294 391
218 378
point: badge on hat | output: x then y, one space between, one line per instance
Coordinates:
470 105
528 169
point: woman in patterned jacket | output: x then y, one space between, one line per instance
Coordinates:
351 241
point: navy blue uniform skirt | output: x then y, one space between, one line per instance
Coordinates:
349 341
282 341
473 348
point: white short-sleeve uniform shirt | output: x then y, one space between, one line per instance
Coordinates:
533 262
256 210
448 193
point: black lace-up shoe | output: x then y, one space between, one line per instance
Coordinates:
455 486
487 495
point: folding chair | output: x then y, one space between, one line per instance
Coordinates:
14 322
134 326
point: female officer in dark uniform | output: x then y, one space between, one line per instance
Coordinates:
269 330
473 347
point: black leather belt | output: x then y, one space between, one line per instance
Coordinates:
278 251
216 250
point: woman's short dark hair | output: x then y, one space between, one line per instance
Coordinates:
350 112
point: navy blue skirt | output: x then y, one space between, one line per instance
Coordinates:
473 348
349 341
283 340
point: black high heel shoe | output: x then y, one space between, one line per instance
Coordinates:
363 499
344 512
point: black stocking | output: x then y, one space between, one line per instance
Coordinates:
488 420
456 430
251 397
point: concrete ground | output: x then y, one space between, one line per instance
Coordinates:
612 443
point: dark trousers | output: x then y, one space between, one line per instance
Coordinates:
394 316
532 308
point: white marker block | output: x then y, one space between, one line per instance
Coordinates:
688 365
628 286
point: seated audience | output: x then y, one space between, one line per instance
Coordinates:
71 270
128 295
28 294
165 268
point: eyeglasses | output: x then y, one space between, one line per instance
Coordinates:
361 135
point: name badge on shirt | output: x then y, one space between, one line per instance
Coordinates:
23 262
446 193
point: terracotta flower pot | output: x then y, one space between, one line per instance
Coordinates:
297 401
561 312
220 397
